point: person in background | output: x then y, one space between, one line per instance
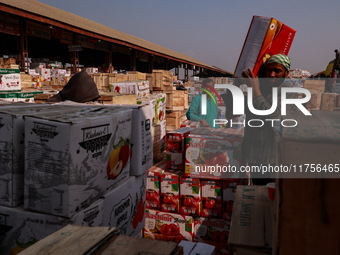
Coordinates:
195 110
81 89
261 143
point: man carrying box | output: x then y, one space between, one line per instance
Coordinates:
260 143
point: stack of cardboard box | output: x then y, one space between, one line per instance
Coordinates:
71 164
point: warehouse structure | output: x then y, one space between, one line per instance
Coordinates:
30 29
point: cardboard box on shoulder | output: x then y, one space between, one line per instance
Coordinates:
266 37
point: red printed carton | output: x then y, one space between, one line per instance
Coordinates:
212 231
153 184
212 198
175 148
170 191
212 154
191 203
168 226
266 37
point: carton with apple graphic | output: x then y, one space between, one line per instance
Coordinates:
73 159
12 147
212 198
21 228
170 182
190 190
139 88
212 231
158 102
153 186
168 226
124 206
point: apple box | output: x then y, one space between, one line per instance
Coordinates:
27 96
213 154
212 198
139 88
174 160
169 227
153 186
141 138
266 37
8 96
124 206
73 159
212 231
12 148
10 80
170 181
158 103
175 148
190 190
175 139
21 228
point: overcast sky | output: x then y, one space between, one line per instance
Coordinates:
214 31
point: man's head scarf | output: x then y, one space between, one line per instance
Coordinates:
280 59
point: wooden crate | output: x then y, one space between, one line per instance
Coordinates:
25 80
328 101
136 76
315 86
110 98
41 98
308 216
122 77
101 80
162 80
315 102
176 100
337 100
174 119
112 78
10 61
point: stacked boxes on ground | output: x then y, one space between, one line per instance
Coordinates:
189 205
77 169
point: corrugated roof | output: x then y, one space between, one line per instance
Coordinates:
59 15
